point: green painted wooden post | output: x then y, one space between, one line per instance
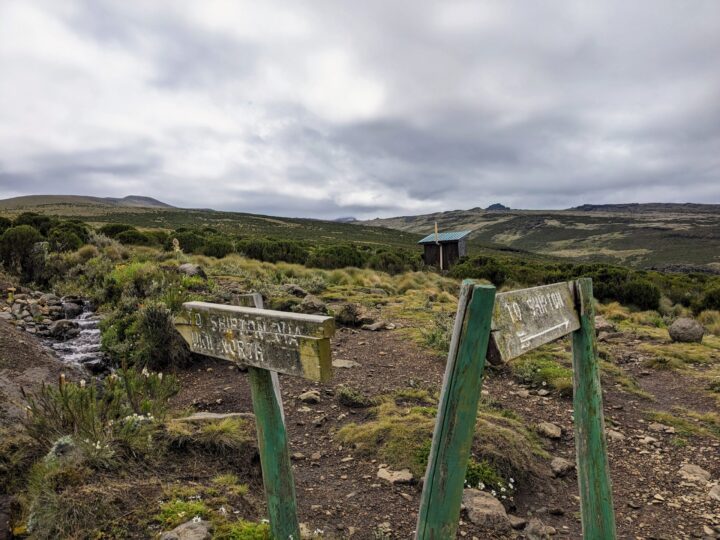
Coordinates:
457 414
598 518
274 451
274 456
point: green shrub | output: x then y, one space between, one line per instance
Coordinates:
64 240
710 300
16 249
439 334
640 293
274 250
481 268
217 247
134 238
336 256
243 530
111 230
5 224
116 417
40 223
190 241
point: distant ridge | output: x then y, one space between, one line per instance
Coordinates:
131 201
649 208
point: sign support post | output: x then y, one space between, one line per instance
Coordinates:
457 413
508 325
267 342
596 505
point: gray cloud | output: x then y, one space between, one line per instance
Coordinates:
332 109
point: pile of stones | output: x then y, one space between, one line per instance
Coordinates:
43 314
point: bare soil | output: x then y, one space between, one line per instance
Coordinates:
340 494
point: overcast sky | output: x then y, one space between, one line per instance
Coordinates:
372 108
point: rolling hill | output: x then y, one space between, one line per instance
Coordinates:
677 236
37 203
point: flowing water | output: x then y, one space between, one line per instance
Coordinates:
83 349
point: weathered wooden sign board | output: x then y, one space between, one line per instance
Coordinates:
267 342
288 343
516 322
525 319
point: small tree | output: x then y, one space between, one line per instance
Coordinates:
16 248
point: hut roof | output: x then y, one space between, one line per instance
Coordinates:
444 237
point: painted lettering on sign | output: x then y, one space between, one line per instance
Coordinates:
284 342
528 318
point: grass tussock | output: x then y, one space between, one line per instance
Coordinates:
228 436
545 367
400 434
710 319
688 423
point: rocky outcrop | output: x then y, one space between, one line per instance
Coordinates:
192 270
311 305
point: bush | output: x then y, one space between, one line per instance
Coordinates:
5 224
336 256
218 247
274 250
111 230
16 249
40 223
62 239
710 300
135 238
190 242
144 337
640 293
481 268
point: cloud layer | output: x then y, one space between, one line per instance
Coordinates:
372 108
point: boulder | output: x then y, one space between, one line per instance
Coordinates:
295 290
49 299
64 329
190 530
686 330
561 466
311 305
403 476
192 270
693 473
714 493
549 430
486 511
72 310
351 314
311 396
603 325
537 530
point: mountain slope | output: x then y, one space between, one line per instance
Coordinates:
32 201
652 235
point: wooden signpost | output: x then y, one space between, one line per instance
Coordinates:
516 322
268 342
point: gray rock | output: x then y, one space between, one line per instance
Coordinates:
549 430
295 290
517 522
190 530
6 315
537 530
72 310
486 511
311 396
561 466
603 325
614 435
339 363
192 270
351 314
403 476
64 329
376 326
714 493
693 473
686 330
35 310
49 299
312 305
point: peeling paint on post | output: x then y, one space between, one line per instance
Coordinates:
521 321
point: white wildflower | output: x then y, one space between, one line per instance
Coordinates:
197 519
82 383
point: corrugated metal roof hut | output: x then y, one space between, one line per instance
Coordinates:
444 249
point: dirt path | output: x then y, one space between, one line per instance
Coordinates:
341 495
